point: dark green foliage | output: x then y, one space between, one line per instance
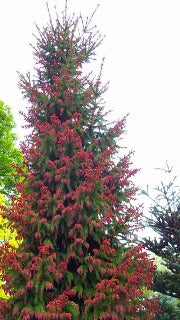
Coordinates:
165 221
170 309
167 282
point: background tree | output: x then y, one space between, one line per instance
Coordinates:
75 212
9 156
165 221
7 235
170 308
9 153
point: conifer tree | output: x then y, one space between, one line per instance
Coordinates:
75 211
165 221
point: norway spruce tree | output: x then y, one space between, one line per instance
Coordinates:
74 212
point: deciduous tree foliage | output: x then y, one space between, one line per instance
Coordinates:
6 235
75 211
9 154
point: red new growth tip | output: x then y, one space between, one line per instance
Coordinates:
74 212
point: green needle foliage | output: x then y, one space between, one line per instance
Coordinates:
165 221
76 212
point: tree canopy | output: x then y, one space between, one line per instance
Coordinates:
7 235
10 155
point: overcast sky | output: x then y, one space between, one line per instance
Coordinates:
142 51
